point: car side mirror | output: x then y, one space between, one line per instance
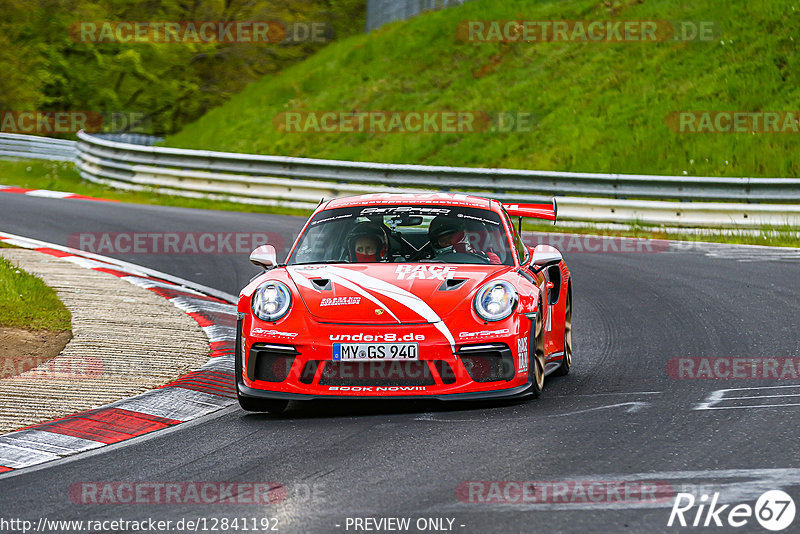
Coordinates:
264 256
544 255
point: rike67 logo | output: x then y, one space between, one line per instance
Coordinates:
774 510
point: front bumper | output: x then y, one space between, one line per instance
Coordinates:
515 392
306 370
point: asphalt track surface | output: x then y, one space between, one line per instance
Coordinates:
618 416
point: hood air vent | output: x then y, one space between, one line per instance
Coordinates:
451 284
322 284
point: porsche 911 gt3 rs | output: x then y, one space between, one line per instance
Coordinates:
405 296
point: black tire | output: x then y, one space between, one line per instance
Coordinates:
566 363
273 406
536 355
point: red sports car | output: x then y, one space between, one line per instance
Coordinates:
411 296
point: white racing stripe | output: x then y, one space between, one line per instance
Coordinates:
399 295
301 280
354 287
360 282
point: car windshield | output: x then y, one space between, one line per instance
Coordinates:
403 234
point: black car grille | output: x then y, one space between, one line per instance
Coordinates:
488 362
270 363
445 371
396 373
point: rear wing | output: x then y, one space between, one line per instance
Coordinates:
547 212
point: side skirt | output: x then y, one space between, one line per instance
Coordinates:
551 366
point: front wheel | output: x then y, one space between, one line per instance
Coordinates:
536 355
273 406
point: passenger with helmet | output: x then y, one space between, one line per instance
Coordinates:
447 235
367 242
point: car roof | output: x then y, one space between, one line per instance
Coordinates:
389 199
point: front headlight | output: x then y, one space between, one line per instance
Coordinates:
271 301
495 301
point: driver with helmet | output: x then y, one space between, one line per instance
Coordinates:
366 242
447 235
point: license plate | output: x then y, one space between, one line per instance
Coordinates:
372 352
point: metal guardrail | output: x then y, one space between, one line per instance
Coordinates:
380 12
36 147
301 182
131 138
49 148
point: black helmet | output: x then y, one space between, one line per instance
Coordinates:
442 225
369 230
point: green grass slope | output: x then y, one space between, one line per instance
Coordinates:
598 106
26 302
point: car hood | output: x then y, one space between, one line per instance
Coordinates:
387 293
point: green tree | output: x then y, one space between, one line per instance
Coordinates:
46 67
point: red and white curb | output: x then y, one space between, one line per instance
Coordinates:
46 193
198 393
